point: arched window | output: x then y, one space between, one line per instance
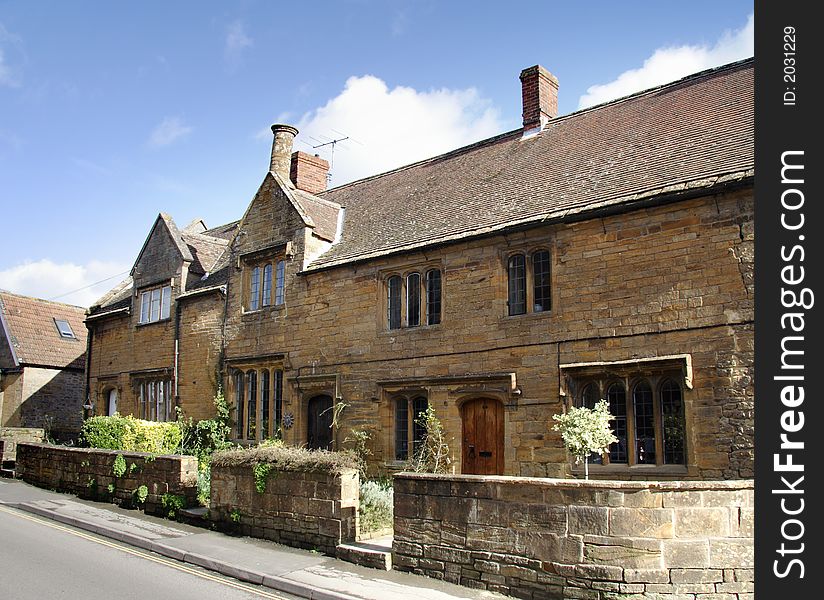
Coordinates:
433 297
251 405
394 286
617 399
239 403
254 289
540 281
267 285
642 406
589 395
672 417
409 430
413 300
516 269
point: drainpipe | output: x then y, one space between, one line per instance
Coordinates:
177 351
87 390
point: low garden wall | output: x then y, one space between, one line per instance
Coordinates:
312 510
169 482
11 436
560 538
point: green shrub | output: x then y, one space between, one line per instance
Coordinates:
173 503
432 455
376 503
202 438
287 458
131 435
204 484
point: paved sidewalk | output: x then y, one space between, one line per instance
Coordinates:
297 572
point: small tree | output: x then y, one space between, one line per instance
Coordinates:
432 454
586 430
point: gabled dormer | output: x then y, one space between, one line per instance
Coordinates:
285 226
170 262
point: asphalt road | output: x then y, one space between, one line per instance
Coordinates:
43 559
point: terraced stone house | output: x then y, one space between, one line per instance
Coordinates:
604 254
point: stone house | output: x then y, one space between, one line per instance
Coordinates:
42 364
607 253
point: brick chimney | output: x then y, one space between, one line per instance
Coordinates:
282 149
539 90
309 173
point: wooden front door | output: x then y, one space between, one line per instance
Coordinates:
319 419
483 437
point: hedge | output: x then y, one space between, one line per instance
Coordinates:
132 435
287 458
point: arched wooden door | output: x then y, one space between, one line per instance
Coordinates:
319 423
483 437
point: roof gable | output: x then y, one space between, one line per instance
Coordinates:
162 253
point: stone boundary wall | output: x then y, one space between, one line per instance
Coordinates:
15 435
562 538
299 509
88 473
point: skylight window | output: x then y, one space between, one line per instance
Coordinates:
64 328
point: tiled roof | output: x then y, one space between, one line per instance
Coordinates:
205 250
683 134
34 335
324 214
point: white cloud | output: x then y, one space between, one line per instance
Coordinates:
670 64
65 282
8 75
169 130
236 42
391 128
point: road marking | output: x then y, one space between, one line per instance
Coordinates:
157 559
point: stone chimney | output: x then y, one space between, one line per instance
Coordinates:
282 149
309 173
539 91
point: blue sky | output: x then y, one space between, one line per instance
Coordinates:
111 112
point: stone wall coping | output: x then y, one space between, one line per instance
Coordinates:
104 451
600 484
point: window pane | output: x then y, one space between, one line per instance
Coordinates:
254 289
239 397
419 405
433 297
267 285
672 414
278 403
617 398
280 282
401 429
589 396
517 285
644 423
540 270
251 405
413 300
64 328
264 403
142 411
165 301
394 301
155 310
145 301
152 401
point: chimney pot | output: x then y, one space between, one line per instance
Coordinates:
282 149
539 92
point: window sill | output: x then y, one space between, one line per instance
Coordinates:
528 315
166 320
265 310
409 330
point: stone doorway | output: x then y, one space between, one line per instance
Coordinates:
319 422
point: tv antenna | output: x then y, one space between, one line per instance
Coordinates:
331 143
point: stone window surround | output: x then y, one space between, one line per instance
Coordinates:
655 370
273 256
423 297
528 253
244 369
144 300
